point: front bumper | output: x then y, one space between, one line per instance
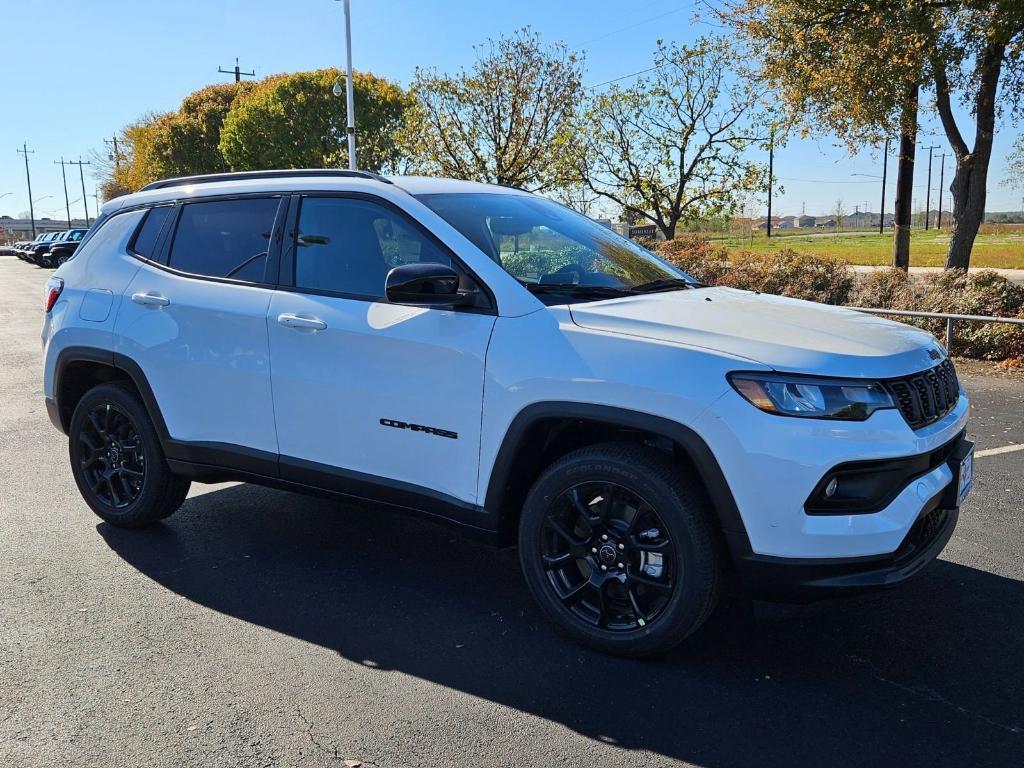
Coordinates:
773 465
804 580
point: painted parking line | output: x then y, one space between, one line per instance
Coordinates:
995 451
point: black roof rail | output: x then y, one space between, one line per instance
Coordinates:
209 178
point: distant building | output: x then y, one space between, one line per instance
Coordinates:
21 229
805 221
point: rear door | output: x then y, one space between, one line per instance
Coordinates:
366 391
194 319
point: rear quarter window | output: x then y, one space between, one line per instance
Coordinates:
146 240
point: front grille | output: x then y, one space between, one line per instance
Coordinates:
926 397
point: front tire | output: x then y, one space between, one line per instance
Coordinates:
117 461
617 546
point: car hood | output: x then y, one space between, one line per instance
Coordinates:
778 332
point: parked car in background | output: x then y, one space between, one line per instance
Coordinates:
62 249
40 252
29 249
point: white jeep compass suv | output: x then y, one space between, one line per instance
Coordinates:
486 356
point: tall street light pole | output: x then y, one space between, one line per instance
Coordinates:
64 176
350 104
28 179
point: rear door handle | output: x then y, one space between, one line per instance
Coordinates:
150 299
297 321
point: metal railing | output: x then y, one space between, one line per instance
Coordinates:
948 317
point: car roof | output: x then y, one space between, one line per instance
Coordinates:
298 181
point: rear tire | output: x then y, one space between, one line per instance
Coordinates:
118 462
618 547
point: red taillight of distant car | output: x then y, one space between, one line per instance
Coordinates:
53 288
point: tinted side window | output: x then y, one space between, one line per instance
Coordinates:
348 246
224 238
149 233
110 234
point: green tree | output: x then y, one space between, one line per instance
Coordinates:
852 70
672 147
855 67
188 141
505 121
296 121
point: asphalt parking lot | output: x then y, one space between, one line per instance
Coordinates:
259 628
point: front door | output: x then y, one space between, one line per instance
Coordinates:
370 394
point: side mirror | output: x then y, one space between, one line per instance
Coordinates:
425 285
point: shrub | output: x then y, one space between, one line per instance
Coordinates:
955 292
697 257
801 276
886 289
786 273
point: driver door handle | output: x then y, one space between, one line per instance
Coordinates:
306 323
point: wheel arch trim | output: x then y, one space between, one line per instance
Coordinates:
709 471
117 361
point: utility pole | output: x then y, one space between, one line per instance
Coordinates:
28 179
942 180
885 172
928 190
117 154
64 176
771 174
81 175
237 72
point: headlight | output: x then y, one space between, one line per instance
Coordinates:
812 397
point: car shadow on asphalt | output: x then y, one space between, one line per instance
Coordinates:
927 674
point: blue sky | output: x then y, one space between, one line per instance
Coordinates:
100 65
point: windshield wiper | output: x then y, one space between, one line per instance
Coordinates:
663 284
575 288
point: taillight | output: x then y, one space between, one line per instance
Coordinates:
53 288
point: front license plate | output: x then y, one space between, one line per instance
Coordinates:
966 477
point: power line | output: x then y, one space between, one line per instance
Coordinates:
624 77
632 26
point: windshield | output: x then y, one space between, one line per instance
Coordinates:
550 248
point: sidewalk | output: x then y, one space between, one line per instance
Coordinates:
1014 275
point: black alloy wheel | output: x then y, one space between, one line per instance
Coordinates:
608 556
617 544
111 456
118 461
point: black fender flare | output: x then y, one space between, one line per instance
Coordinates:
722 500
117 361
